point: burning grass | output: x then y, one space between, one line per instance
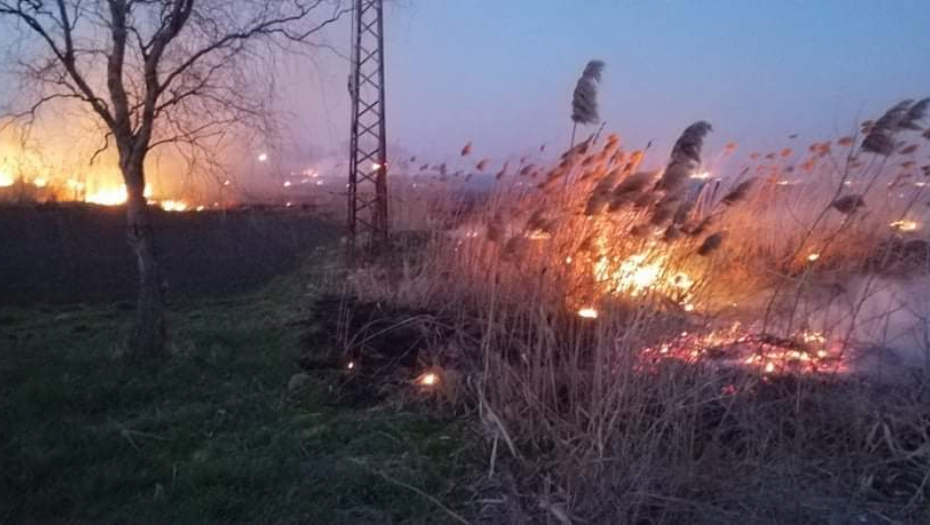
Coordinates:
684 345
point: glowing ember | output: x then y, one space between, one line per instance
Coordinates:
813 257
350 365
805 353
538 235
428 379
905 225
587 313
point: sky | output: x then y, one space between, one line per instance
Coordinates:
501 72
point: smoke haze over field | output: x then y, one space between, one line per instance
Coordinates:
502 74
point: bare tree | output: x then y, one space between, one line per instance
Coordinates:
156 72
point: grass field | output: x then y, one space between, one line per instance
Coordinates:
212 435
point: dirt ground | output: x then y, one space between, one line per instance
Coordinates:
78 253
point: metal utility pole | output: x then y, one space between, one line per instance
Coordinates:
368 207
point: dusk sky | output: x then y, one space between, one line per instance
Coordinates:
501 73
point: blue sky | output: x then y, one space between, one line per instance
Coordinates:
501 72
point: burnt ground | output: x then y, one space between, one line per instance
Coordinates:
78 253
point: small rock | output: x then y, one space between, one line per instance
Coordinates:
297 382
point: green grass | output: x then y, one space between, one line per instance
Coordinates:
211 435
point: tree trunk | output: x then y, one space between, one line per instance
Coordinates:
148 333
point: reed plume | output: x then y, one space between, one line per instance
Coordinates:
698 229
915 115
739 192
848 204
686 156
710 244
600 196
584 100
880 138
630 189
500 174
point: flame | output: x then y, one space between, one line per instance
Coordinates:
50 160
428 379
587 313
117 196
106 197
905 225
6 180
640 273
538 235
174 205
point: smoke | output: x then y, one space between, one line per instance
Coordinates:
886 322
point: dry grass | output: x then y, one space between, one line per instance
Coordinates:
599 424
